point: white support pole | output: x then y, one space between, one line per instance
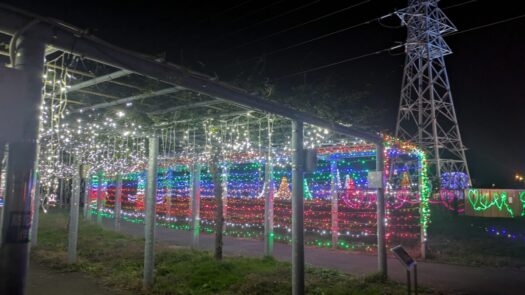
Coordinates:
297 209
14 250
150 202
60 197
87 203
168 195
335 206
74 206
381 245
195 204
118 201
224 184
268 209
100 205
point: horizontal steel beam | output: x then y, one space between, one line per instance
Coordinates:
98 80
128 99
71 39
188 106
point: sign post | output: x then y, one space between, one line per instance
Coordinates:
409 263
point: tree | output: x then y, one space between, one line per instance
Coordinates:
284 190
327 98
215 171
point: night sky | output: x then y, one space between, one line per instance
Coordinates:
223 38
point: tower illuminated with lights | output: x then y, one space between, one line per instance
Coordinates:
426 114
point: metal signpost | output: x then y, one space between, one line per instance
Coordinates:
409 263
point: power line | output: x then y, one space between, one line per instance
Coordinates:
391 48
459 4
487 25
297 26
378 19
253 13
315 38
274 17
338 62
321 36
233 7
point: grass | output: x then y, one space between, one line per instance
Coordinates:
465 240
117 261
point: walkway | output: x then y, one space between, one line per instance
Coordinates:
452 279
43 281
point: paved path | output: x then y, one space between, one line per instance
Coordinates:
451 279
44 281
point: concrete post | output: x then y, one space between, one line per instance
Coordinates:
381 244
335 205
118 201
14 250
150 202
297 209
74 207
195 204
268 209
100 179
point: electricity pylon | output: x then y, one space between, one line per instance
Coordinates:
426 114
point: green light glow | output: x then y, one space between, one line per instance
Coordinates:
482 201
522 200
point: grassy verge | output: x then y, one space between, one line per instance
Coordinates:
477 241
117 259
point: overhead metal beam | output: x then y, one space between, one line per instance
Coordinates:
72 39
188 106
129 99
97 94
98 80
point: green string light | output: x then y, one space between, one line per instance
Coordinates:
483 201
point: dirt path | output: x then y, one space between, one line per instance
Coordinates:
44 281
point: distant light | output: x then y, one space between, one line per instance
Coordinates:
120 114
128 104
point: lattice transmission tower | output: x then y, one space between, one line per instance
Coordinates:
426 114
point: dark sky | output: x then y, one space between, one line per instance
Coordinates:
486 71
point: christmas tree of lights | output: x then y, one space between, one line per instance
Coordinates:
284 190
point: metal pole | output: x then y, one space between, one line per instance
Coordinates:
168 196
335 208
87 201
224 195
409 284
415 279
422 231
297 209
100 180
195 204
118 201
36 207
61 192
36 194
4 155
381 245
268 209
14 249
73 218
149 234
